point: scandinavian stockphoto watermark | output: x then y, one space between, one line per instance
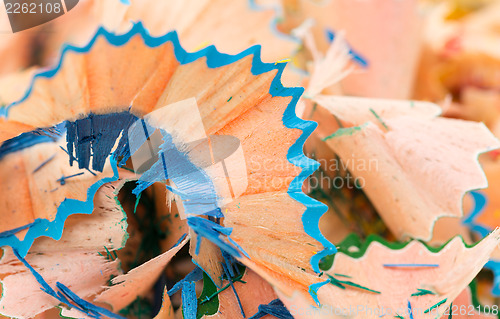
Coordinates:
365 311
335 173
206 172
358 311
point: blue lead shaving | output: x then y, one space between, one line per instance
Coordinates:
215 233
88 308
230 279
94 137
189 300
65 295
195 275
228 264
193 185
231 264
275 308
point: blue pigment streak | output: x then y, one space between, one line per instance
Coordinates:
358 58
23 141
63 179
410 311
39 167
29 139
314 209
